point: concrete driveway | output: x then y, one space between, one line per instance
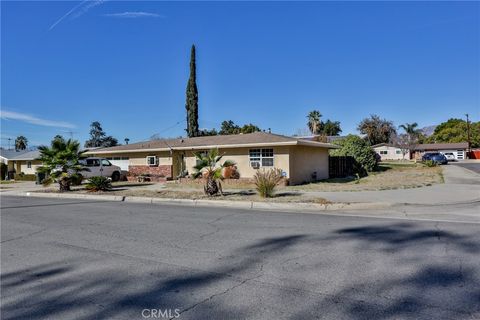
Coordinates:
70 259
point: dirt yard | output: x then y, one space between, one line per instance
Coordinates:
390 176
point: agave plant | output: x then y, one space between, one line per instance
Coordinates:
209 167
98 184
60 163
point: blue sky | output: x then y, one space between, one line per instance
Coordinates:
125 64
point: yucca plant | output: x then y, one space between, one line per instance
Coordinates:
99 184
209 167
60 163
266 181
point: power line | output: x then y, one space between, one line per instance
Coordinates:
168 128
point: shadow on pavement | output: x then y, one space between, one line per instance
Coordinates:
77 291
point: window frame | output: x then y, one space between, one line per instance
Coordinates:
155 164
29 164
261 154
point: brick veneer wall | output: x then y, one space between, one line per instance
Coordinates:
157 173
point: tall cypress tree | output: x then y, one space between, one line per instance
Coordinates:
192 98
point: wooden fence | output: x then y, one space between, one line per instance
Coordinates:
341 167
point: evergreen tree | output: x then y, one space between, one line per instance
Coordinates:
377 130
192 98
98 137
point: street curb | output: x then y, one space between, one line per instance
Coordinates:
247 205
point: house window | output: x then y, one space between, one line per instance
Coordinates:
261 158
152 161
383 152
29 164
398 151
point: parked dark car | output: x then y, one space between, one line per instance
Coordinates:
435 157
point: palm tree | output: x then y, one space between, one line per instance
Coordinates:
21 143
412 136
411 129
314 121
60 163
127 140
209 167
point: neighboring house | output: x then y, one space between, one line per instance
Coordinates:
459 150
390 152
300 160
20 161
7 155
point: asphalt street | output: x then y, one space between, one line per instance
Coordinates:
475 167
69 259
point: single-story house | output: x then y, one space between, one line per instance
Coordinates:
300 160
459 150
20 161
390 152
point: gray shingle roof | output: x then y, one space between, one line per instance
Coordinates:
29 155
236 140
10 154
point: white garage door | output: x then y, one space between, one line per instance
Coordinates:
122 162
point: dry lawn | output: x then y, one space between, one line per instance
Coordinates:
395 175
392 177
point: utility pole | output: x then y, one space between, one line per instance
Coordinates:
468 135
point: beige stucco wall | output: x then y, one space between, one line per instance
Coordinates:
298 162
392 153
22 166
241 156
304 161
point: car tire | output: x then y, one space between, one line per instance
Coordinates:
116 176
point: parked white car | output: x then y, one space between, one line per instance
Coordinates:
101 167
450 156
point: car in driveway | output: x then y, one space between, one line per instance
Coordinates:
435 157
450 156
101 167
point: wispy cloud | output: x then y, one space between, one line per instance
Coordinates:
78 10
10 115
134 14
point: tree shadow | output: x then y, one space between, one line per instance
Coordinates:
433 292
57 290
426 289
400 236
420 288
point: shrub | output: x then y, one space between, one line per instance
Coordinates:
77 179
266 181
99 184
360 150
430 163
